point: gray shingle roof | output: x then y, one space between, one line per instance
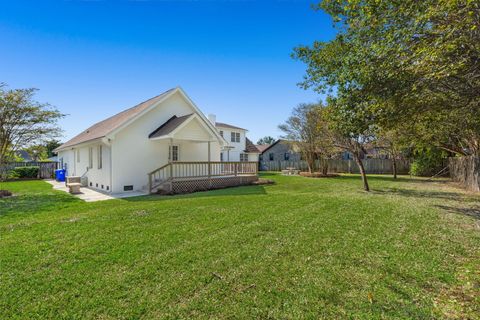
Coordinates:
226 125
170 125
102 128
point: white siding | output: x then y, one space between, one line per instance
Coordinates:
135 155
238 147
96 177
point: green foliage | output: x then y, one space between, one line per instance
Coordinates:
52 145
24 172
266 140
13 174
299 249
24 122
428 162
409 63
37 152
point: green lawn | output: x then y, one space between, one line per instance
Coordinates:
300 249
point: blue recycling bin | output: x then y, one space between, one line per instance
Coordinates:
60 175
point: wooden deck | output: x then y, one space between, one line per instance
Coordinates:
184 177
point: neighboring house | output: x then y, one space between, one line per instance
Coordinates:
371 153
24 155
262 147
283 150
240 147
147 146
280 150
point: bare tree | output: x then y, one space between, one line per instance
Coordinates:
307 130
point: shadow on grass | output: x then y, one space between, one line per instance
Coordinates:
232 191
400 179
420 193
34 203
473 212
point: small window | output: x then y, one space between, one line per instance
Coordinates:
221 156
90 158
78 155
243 157
99 156
173 153
270 156
235 136
127 188
286 156
221 133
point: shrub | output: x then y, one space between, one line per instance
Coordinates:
24 172
12 175
427 162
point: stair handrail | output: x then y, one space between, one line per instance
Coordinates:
150 175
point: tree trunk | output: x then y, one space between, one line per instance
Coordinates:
362 172
394 164
324 167
310 163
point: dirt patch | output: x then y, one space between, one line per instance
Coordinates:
318 175
5 193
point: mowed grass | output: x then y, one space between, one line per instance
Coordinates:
300 249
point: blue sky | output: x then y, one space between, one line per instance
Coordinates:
92 59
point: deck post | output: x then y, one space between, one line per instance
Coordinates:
209 166
149 183
170 157
209 161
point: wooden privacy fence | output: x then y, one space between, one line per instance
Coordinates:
46 169
375 166
466 171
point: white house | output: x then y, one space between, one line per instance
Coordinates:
239 147
164 141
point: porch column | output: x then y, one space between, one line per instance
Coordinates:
209 160
170 157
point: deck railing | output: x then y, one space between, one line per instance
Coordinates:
182 170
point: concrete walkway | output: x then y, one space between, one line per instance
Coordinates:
90 195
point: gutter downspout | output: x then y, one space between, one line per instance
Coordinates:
111 168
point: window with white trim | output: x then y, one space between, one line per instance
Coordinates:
173 153
100 157
90 158
235 136
243 157
221 133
